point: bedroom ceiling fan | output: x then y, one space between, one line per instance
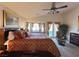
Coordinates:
54 9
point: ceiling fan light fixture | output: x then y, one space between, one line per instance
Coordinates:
53 12
57 11
54 9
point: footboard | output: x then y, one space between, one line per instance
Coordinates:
33 45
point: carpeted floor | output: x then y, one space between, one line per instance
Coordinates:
69 50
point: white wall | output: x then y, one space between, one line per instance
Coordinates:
71 18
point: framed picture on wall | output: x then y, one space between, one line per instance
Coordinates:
10 20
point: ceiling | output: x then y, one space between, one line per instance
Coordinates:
34 9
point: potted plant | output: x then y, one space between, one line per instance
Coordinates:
62 33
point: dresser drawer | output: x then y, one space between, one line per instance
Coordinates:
74 38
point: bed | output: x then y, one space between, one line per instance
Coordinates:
35 42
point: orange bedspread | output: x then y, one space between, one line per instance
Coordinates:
33 44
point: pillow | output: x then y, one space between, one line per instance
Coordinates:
26 34
18 35
11 36
23 34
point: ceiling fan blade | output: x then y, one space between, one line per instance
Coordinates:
62 7
52 7
46 9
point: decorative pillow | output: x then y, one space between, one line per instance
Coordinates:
23 34
18 35
26 34
11 36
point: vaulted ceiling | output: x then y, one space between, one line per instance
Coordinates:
34 9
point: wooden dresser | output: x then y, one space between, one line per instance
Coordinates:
74 38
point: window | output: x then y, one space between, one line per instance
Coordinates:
36 27
42 27
50 30
29 26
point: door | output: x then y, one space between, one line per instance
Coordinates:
52 29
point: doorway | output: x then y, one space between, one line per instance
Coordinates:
52 29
